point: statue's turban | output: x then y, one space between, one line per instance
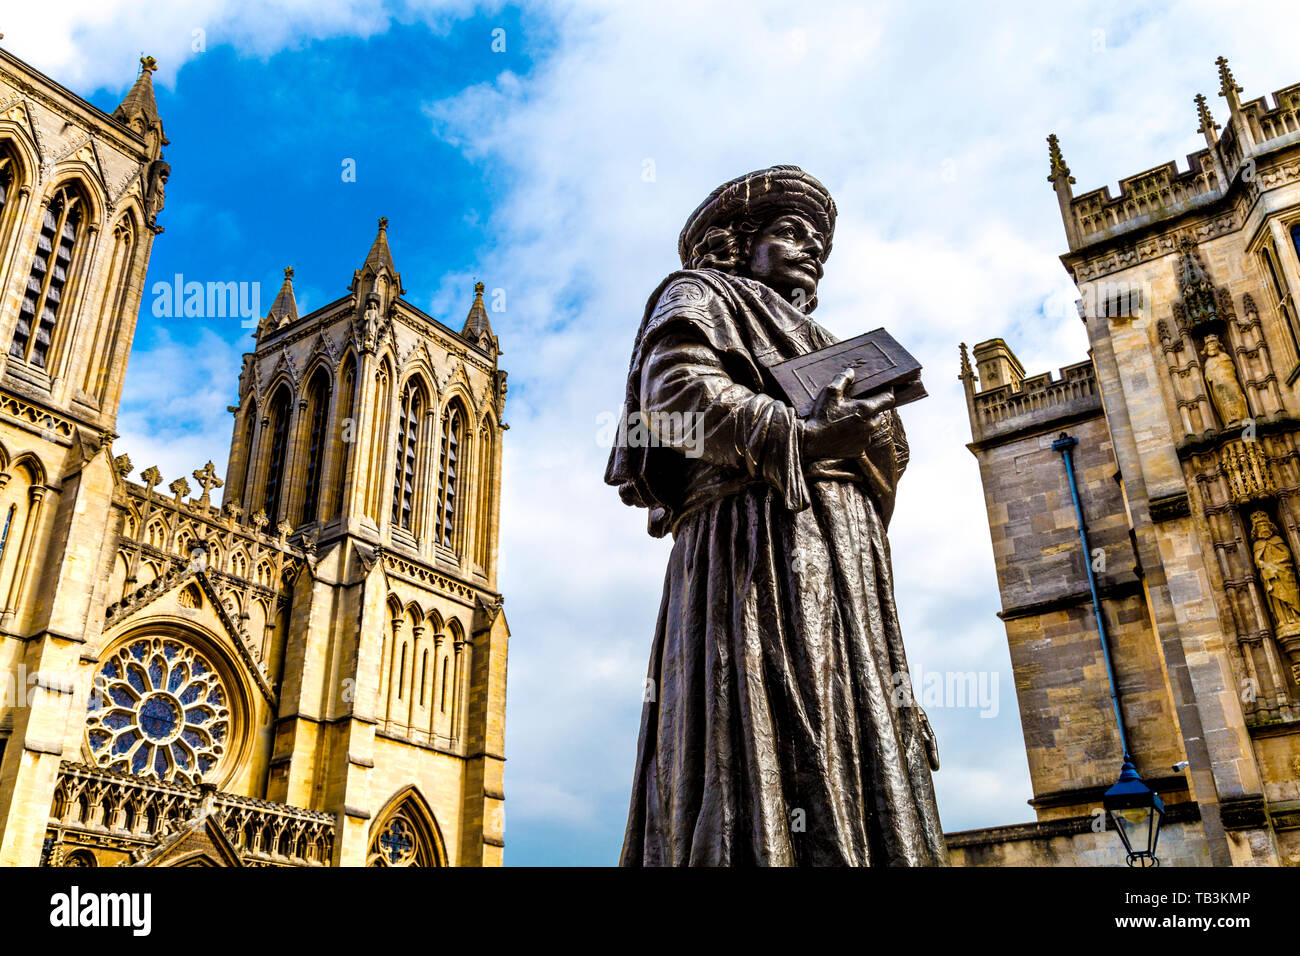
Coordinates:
761 195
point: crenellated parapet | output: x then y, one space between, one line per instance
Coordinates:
1243 155
1033 403
1153 194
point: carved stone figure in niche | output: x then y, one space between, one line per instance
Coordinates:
370 322
159 173
1277 572
1221 379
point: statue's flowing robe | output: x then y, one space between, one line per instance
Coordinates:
778 727
1225 391
1273 559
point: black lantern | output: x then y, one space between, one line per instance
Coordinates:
1136 811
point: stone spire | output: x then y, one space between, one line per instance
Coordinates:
477 327
378 277
380 254
139 110
285 307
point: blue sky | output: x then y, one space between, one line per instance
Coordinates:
560 171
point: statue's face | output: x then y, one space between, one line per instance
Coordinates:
1211 345
786 256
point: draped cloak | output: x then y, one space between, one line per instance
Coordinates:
779 727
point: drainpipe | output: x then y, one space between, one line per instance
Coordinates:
1065 445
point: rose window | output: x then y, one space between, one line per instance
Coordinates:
158 710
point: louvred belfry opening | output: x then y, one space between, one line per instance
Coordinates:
447 476
408 429
43 302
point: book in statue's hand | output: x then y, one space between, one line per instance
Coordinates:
878 362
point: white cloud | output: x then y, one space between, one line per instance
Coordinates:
178 422
94 43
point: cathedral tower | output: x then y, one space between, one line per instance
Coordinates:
368 436
310 672
1183 430
80 192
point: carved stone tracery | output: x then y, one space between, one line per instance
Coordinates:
1239 450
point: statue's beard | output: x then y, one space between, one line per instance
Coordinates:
797 289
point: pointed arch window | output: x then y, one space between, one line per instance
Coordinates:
44 300
113 305
346 430
449 454
318 403
486 497
404 478
379 440
278 448
250 460
1286 305
401 674
10 174
424 673
4 535
8 179
406 834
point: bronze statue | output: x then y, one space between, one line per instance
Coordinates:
1276 570
778 727
1225 391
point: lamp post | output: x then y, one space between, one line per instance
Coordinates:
1133 807
1136 810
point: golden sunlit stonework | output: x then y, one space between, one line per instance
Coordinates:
310 672
1187 421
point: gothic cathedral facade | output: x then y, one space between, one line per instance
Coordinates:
309 672
1182 431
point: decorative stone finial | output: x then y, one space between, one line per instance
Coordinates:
1208 126
1227 85
151 476
479 288
147 64
966 370
207 479
1059 169
383 222
288 273
180 488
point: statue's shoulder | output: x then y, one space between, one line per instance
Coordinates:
689 287
696 296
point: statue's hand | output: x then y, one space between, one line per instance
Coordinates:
841 427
